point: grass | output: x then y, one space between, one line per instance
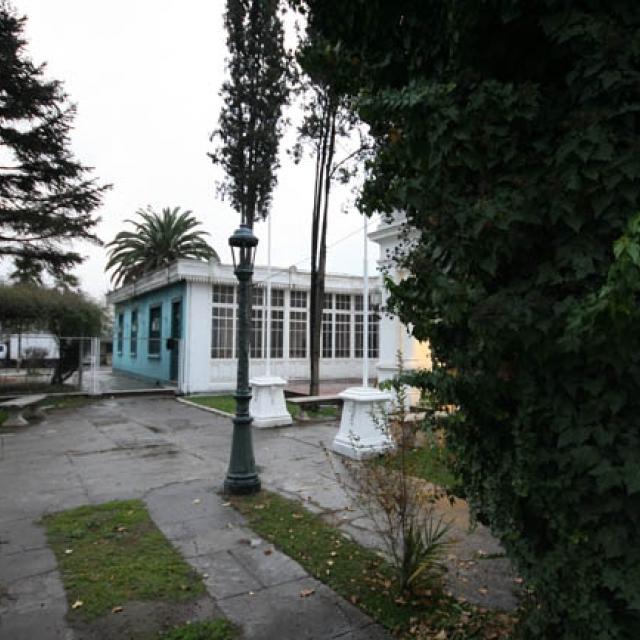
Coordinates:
113 553
363 577
218 629
3 416
430 463
228 405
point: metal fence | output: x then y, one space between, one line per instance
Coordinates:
43 363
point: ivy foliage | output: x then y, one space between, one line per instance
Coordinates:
509 132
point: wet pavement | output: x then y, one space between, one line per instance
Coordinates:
175 457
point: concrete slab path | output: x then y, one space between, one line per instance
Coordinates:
174 457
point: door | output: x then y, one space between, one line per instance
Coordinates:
176 335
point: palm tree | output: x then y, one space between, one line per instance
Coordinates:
156 241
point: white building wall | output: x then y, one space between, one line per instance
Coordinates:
197 339
395 338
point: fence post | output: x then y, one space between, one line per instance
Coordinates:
94 387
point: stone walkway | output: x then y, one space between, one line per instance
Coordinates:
174 457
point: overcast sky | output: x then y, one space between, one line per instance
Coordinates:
145 75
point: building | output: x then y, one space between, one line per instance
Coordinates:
178 324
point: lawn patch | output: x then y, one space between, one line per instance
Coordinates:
228 405
205 630
430 463
112 554
362 576
3 416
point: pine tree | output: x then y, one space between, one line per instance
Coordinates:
46 196
254 95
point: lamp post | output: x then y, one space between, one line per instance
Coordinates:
242 477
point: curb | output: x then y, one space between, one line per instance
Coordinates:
218 412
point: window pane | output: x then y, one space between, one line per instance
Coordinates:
277 333
298 334
133 338
223 293
327 337
328 301
358 302
343 301
222 332
359 328
374 335
257 297
277 297
299 299
120 331
155 330
343 335
256 333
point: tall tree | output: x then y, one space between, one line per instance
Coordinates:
509 133
156 241
327 119
254 94
46 195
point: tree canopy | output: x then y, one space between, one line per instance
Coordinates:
249 131
156 241
47 197
509 133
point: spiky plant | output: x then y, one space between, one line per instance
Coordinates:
156 241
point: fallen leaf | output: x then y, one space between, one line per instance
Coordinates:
518 580
297 516
305 593
330 563
196 501
353 599
68 551
121 529
255 542
483 590
226 504
77 604
268 552
258 506
441 635
333 554
117 609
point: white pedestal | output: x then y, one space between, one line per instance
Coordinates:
268 407
359 435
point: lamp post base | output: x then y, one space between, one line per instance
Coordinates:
241 485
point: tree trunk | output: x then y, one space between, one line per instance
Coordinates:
324 160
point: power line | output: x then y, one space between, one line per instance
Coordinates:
305 260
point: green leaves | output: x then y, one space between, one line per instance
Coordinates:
518 166
156 241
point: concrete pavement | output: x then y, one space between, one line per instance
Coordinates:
174 457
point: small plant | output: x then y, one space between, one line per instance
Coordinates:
401 506
34 359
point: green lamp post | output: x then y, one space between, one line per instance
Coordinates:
242 477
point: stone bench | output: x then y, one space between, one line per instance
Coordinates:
16 406
306 402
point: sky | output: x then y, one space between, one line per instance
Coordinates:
145 76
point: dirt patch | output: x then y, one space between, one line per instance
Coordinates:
144 620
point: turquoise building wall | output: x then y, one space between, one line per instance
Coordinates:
143 364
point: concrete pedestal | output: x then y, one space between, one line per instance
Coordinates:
360 436
268 407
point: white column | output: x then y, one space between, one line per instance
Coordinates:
363 431
395 337
268 407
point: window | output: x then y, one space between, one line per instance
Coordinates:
297 334
328 301
155 330
343 301
277 333
343 335
257 329
223 293
120 335
374 319
277 297
299 299
327 335
133 337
